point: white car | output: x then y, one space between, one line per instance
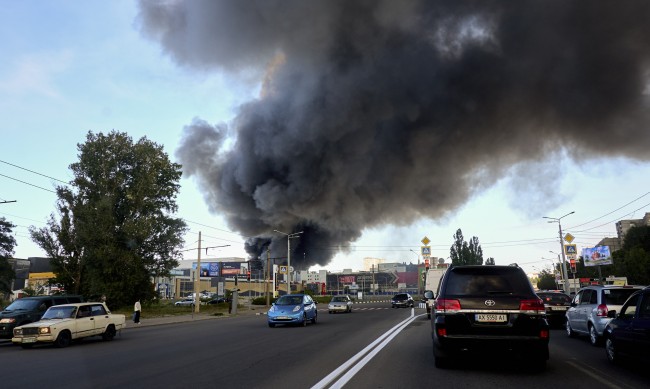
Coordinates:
61 324
183 302
340 304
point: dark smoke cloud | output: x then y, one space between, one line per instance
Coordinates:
383 112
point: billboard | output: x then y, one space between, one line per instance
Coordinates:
230 268
208 269
597 256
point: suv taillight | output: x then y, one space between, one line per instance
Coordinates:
601 311
532 306
447 305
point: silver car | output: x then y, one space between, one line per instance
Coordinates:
587 314
340 304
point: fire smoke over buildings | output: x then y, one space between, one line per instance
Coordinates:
383 112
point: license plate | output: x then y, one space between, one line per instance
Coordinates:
283 317
491 318
558 308
29 340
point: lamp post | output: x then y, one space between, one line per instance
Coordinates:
416 253
289 236
567 289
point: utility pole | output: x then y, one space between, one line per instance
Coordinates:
567 288
197 280
268 276
289 236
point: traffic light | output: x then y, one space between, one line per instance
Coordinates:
248 275
572 263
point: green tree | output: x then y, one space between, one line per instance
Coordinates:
7 244
115 227
546 280
463 253
633 260
490 261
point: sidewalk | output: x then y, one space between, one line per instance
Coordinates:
173 319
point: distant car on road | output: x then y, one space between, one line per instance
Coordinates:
588 312
556 304
340 304
628 333
402 300
185 302
293 309
220 300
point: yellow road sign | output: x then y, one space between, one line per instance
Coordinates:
425 241
569 238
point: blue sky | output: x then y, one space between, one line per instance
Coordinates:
70 67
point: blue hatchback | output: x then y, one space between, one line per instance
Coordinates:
293 309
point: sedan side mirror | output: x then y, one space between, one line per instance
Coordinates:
611 314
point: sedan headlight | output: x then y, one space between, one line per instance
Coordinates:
18 331
296 308
44 330
272 309
7 320
330 306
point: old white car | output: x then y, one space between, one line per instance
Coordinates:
63 323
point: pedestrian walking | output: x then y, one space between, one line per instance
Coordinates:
136 312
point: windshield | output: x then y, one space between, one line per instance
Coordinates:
289 300
23 305
59 312
339 300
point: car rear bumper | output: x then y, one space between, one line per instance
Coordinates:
525 346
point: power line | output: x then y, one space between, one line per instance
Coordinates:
31 171
27 183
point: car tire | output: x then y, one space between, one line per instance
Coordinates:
594 339
569 331
63 340
271 325
313 321
442 362
611 352
109 334
304 320
330 312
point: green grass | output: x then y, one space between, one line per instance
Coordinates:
167 308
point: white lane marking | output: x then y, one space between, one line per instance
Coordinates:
381 340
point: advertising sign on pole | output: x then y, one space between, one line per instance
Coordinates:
598 255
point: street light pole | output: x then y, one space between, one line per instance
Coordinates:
289 236
567 289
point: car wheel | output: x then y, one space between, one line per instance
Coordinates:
63 340
569 331
428 316
610 350
330 312
271 325
442 363
304 320
594 339
313 321
109 334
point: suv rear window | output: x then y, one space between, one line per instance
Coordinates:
484 281
617 296
556 298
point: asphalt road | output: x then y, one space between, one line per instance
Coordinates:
373 347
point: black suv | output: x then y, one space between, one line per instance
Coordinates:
489 309
29 309
402 300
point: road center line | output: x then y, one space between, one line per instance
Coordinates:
380 343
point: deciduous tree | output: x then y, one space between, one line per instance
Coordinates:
7 245
115 228
463 253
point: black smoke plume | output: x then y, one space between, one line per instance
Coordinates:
383 112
